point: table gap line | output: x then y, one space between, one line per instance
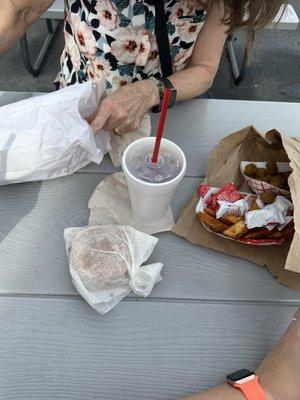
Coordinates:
285 302
93 172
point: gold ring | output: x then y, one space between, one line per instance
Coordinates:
117 131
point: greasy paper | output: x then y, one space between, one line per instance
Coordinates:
223 166
110 204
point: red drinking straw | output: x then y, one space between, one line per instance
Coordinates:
161 124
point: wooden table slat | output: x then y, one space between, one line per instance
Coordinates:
62 349
32 220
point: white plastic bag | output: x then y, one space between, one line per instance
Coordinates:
47 136
106 263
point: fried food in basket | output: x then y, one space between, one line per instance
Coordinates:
261 173
257 233
212 222
250 170
244 218
268 197
254 205
210 212
237 230
284 233
278 181
230 219
270 174
272 167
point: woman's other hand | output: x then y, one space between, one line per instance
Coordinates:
125 108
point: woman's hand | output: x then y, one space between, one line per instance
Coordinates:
124 108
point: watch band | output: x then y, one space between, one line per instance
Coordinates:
168 84
251 389
163 83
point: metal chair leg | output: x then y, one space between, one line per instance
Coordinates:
36 67
237 73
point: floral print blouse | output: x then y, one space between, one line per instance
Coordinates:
115 40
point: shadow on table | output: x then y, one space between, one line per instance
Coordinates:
11 209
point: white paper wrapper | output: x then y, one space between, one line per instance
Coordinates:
238 208
85 267
110 204
270 215
47 136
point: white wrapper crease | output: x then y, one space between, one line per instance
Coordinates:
106 263
47 136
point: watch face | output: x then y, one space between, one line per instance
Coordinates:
238 375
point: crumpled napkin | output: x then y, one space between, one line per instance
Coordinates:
106 263
110 204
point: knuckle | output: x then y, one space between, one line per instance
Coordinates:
122 114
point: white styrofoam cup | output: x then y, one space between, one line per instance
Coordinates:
150 201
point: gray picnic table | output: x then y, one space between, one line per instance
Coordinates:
211 314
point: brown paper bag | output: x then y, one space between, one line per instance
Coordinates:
223 166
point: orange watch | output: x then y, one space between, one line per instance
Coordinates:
247 382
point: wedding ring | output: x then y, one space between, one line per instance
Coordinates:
117 132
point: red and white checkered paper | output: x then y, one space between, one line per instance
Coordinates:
260 187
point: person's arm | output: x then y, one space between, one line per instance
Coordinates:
222 392
199 75
126 106
16 16
279 373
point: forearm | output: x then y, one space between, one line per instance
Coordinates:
204 62
15 18
192 82
223 392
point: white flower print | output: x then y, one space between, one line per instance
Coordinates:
107 14
182 58
85 39
127 46
132 44
153 59
189 31
182 8
144 51
72 50
98 69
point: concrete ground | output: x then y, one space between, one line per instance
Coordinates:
274 73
